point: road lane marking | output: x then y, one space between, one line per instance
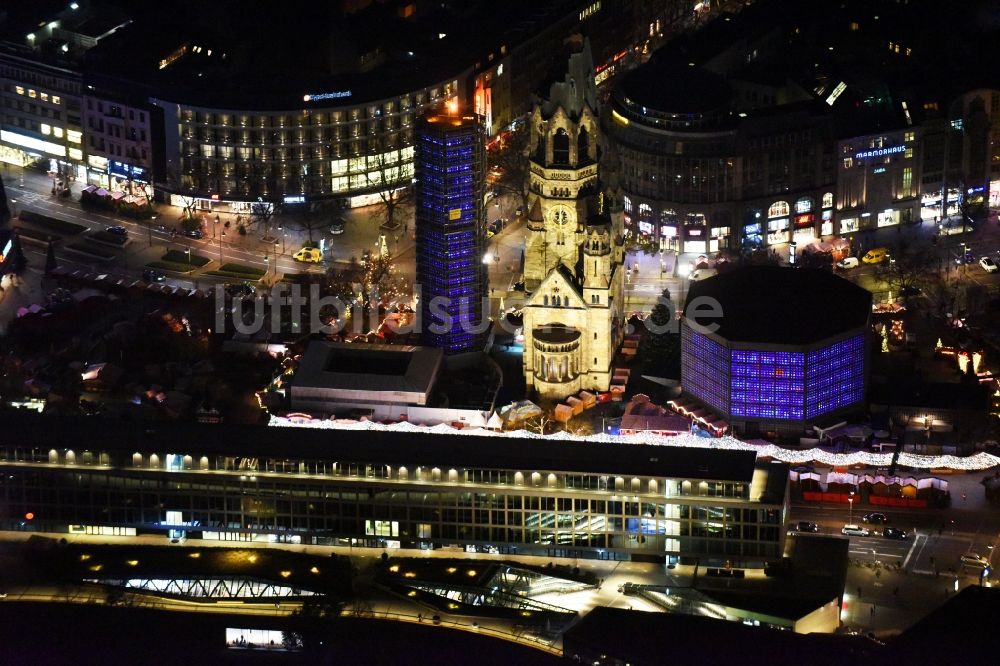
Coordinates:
909 554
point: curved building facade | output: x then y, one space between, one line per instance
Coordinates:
700 177
773 358
331 145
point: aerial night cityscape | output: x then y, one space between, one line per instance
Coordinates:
606 332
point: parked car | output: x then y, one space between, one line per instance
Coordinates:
118 230
149 275
848 262
337 227
310 255
193 233
806 526
875 518
974 560
875 255
989 265
895 533
855 530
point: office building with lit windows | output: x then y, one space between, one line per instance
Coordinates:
451 228
393 490
783 348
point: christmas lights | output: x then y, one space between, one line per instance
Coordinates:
766 450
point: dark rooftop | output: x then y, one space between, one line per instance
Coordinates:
391 448
776 305
675 89
965 625
644 638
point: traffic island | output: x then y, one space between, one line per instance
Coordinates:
238 271
186 258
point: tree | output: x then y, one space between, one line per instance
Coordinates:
390 173
661 350
906 267
508 157
310 220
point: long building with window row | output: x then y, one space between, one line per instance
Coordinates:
380 489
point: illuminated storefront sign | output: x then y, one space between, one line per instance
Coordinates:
33 143
126 171
879 152
340 94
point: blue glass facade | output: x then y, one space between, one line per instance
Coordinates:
773 385
450 174
835 376
767 384
705 369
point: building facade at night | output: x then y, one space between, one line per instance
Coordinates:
451 231
394 490
775 358
573 257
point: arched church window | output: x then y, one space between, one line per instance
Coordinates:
560 147
583 145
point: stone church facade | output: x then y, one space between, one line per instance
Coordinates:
574 253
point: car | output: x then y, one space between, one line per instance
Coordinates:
337 228
875 518
703 273
989 265
806 526
118 230
895 533
150 275
490 233
193 233
311 255
974 560
855 530
848 262
875 256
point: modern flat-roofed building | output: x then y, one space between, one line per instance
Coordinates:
785 347
334 377
388 489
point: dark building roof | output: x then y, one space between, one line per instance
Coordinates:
932 395
390 448
965 625
675 89
647 638
777 305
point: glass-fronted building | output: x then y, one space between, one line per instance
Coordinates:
394 490
776 356
450 214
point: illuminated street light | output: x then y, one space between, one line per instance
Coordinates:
850 509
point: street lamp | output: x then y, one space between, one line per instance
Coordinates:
221 236
13 207
149 229
188 252
267 265
850 509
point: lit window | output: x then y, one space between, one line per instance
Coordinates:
75 154
56 99
45 97
74 136
46 129
57 132
32 94
19 89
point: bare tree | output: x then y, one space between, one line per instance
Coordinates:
906 268
390 173
508 159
